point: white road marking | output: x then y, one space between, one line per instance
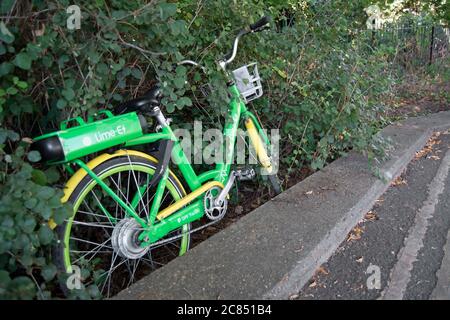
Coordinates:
401 273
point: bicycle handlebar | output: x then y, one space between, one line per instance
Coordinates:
259 24
228 58
255 27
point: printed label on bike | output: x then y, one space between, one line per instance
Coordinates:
88 138
110 134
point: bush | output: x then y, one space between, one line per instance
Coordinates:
321 77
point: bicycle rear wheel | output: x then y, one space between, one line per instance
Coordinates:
109 246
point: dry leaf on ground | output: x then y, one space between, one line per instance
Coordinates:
398 181
370 216
355 234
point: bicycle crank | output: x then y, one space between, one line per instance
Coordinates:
214 209
242 175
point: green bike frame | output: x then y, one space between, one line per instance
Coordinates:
189 208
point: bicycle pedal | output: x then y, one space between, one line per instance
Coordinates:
245 174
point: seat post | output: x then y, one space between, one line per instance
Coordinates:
157 113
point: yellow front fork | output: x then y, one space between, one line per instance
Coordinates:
258 145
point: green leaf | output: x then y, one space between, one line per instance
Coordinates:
4 279
167 10
39 177
6 6
13 136
137 73
11 91
102 69
61 103
48 272
181 71
22 85
34 156
30 203
170 107
179 82
177 27
68 93
6 68
23 288
45 234
184 101
52 175
5 35
45 193
119 14
23 61
28 224
63 59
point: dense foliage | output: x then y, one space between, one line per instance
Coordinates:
322 81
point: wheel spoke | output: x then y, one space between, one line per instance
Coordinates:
138 190
91 229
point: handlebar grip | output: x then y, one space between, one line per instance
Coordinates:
260 23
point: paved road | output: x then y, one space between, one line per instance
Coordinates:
402 248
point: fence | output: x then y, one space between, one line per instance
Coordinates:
417 44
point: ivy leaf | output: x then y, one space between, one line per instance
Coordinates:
23 61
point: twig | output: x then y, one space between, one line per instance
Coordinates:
137 12
197 11
142 50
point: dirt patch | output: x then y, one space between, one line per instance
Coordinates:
418 96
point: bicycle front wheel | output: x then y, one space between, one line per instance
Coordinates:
102 238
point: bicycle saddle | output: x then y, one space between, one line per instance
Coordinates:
151 98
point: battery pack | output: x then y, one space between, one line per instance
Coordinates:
78 138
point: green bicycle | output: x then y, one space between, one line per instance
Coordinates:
131 214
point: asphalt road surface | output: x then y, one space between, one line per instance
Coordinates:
401 250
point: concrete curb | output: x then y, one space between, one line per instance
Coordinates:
273 251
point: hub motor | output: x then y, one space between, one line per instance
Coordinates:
124 239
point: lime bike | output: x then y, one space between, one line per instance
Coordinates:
131 213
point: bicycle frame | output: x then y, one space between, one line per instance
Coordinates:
190 207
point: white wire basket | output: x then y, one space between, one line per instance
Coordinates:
248 82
